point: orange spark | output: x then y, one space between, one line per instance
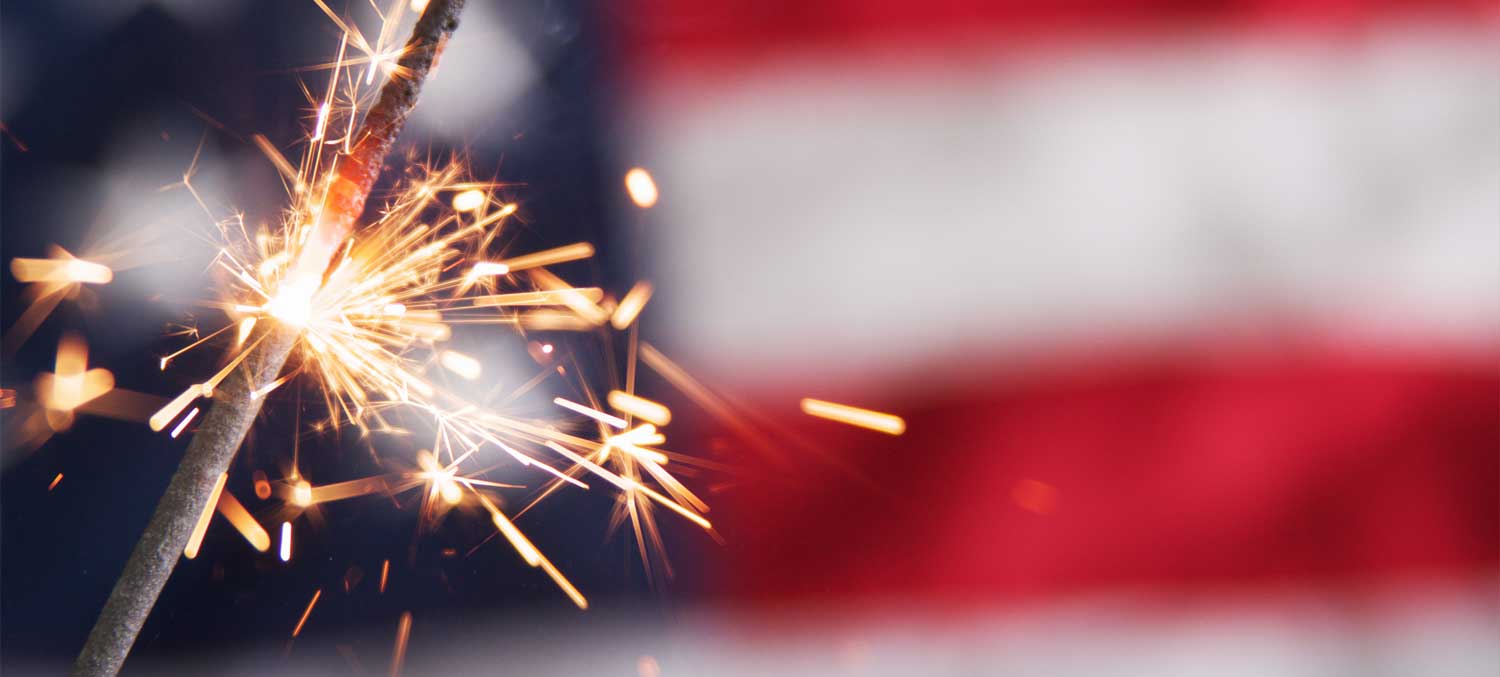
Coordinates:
641 187
640 407
631 305
889 424
298 630
403 632
459 363
235 512
201 528
468 200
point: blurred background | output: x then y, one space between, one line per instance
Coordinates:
1191 310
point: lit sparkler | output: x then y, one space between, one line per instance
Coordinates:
367 311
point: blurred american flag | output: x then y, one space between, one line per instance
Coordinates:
1189 304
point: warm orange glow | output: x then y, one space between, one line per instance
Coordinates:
889 424
385 573
55 480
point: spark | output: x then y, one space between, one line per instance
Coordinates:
403 632
631 305
551 257
640 407
889 424
247 325
262 487
72 384
488 269
184 423
461 364
385 573
196 539
302 493
55 480
591 412
641 187
243 521
372 327
307 612
64 269
163 416
469 200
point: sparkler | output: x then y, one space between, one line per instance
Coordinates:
224 428
357 307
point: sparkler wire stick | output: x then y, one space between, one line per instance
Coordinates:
227 422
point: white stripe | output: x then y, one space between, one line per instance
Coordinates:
824 216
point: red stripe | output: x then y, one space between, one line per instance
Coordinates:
1156 473
687 35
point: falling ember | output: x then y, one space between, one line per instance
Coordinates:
286 541
468 200
403 632
308 612
55 480
874 420
201 528
262 487
631 305
184 424
385 574
640 407
642 188
460 364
